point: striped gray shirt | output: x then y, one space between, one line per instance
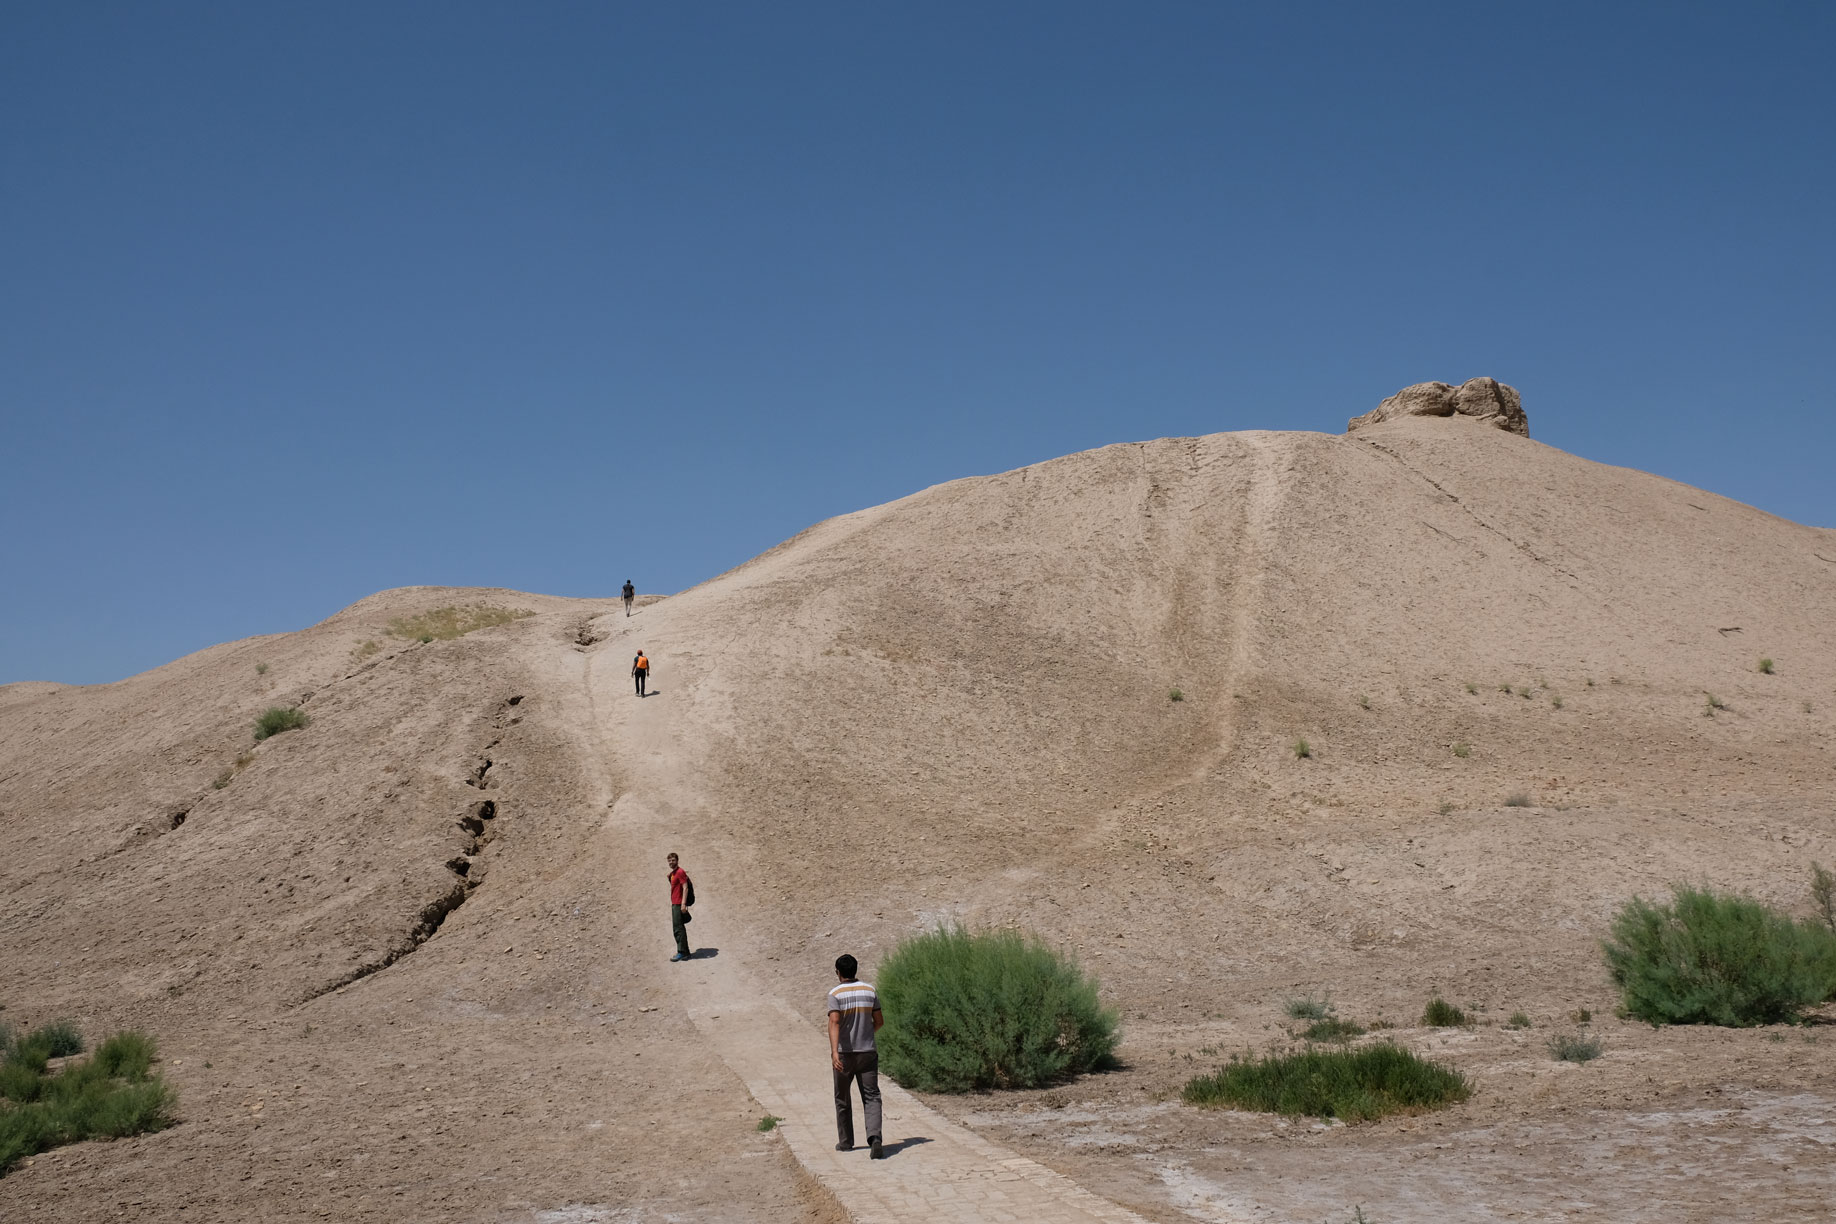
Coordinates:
856 1001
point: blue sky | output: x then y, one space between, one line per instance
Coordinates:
299 305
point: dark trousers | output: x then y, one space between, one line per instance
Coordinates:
678 922
864 1066
640 677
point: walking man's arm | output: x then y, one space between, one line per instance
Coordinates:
835 1038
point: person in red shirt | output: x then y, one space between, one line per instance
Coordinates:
681 896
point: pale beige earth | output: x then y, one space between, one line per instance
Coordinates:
956 707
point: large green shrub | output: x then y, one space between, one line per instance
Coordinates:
988 1010
1352 1085
276 719
1708 958
109 1095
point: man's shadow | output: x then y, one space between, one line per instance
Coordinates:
704 953
893 1149
650 692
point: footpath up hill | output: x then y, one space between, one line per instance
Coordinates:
418 944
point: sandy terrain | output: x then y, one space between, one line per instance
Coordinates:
956 706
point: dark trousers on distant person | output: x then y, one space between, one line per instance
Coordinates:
640 676
678 921
864 1066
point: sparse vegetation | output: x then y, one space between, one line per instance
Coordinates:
1471 687
1590 682
1524 692
1713 703
109 1095
1333 1029
1517 799
1807 707
1556 701
1765 667
1175 695
1463 750
992 1009
1711 958
1505 689
1446 808
1518 1021
261 669
1364 702
1575 1048
222 780
1441 1014
1353 1085
769 1122
1302 749
1308 1008
1823 894
445 624
365 649
276 719
1581 1016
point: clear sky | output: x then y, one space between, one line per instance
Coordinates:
302 302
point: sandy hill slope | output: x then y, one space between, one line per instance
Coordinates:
420 947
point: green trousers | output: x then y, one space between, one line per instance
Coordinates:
677 922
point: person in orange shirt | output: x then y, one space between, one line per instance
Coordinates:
640 670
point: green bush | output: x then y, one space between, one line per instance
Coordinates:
276 719
988 1010
1352 1085
1333 1029
109 1095
1574 1049
1441 1014
1518 1021
1708 958
1302 749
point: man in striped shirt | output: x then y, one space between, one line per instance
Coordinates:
854 1017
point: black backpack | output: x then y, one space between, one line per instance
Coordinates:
688 892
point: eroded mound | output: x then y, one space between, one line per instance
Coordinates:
1485 400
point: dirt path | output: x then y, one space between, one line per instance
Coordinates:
937 1170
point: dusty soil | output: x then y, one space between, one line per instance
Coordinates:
956 706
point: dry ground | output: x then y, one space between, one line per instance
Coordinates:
956 706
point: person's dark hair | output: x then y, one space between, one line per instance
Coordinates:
846 965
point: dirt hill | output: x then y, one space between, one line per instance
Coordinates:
409 961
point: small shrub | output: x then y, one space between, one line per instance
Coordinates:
222 780
1505 689
59 1038
1708 958
992 1009
1308 1008
1590 682
1713 703
1581 1016
365 649
1175 695
276 719
1807 707
1823 894
1333 1029
1471 687
1575 1049
1517 799
1446 808
1556 702
1518 1021
1302 749
445 624
769 1122
1463 750
1364 703
1524 692
1765 667
1441 1014
261 669
1352 1085
110 1095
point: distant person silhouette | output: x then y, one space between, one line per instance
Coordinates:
640 670
630 594
854 1017
681 896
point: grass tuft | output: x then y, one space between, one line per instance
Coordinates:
1518 1021
1441 1014
769 1122
1302 749
1556 702
1517 799
1175 695
445 624
1575 1049
1333 1029
1463 750
1710 958
1713 703
261 669
994 1009
365 649
276 719
1364 702
1308 1008
1765 667
1471 687
1352 1085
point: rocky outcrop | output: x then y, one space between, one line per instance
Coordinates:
1485 400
